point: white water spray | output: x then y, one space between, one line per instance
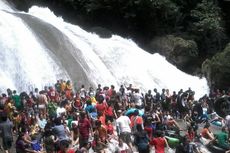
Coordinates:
25 64
120 61
106 61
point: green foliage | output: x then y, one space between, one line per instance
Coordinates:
186 47
207 26
217 70
207 17
148 14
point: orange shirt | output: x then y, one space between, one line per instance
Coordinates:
69 87
63 86
68 94
102 132
204 133
135 120
102 119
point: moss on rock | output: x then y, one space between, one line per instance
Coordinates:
181 52
217 69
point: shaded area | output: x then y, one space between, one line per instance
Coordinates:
222 106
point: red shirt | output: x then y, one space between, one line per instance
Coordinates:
159 144
52 94
149 130
110 129
102 120
191 136
136 120
84 126
101 108
109 111
69 151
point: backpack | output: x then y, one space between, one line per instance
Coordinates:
142 143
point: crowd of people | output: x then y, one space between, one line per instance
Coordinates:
58 119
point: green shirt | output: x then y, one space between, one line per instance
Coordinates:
52 107
17 101
222 138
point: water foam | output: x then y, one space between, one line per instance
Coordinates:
120 61
24 61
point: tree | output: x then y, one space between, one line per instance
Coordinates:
207 27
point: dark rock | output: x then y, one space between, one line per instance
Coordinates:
217 69
21 4
180 52
102 32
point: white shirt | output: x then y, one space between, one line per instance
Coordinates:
138 99
82 93
205 110
123 123
42 123
122 149
60 110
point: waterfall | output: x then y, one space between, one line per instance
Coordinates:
37 48
25 63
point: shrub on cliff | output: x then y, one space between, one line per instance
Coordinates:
177 50
217 69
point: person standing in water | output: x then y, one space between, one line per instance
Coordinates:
121 146
123 128
6 130
223 140
159 143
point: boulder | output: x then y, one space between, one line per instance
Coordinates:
178 51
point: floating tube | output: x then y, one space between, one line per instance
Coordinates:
215 148
220 103
131 110
217 123
173 142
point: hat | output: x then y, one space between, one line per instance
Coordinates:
119 111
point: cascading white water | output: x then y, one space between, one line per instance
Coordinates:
107 61
120 61
5 6
24 63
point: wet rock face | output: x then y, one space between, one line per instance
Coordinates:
180 52
20 4
102 32
217 69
